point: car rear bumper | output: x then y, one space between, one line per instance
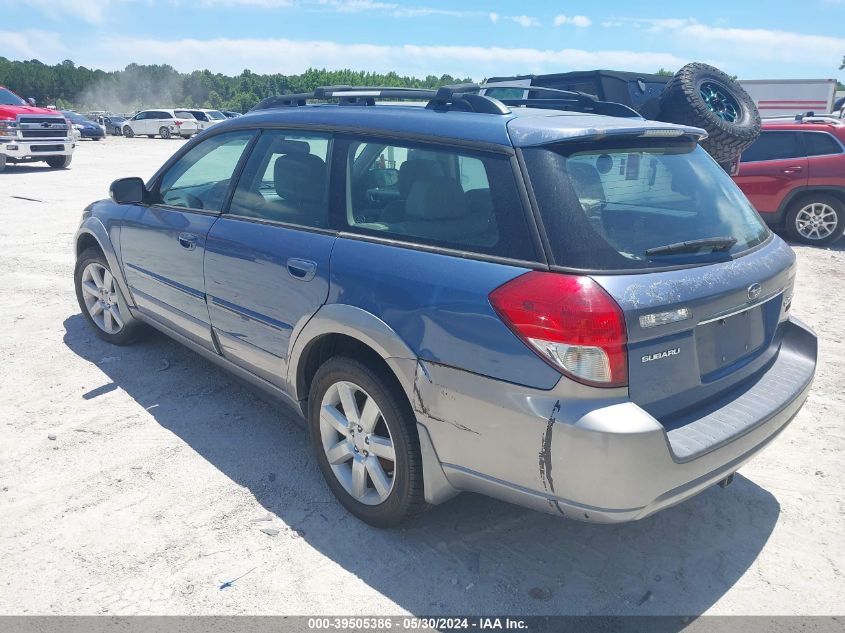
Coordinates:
23 151
600 457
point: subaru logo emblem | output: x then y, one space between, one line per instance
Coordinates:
754 291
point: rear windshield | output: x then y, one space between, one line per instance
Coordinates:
617 207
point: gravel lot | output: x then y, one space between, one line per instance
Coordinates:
164 470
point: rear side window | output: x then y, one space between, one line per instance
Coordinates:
285 180
821 144
435 196
774 146
616 207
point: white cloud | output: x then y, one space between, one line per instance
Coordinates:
231 55
524 21
494 17
91 12
581 21
764 45
33 44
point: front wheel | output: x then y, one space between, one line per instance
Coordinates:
59 162
817 220
364 436
128 132
164 132
101 301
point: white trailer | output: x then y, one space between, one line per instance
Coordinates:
788 97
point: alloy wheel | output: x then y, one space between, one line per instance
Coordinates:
719 101
99 291
816 221
357 443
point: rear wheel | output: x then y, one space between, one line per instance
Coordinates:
817 219
59 162
364 436
164 132
2 162
127 131
101 301
703 96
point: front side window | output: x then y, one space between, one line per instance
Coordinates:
774 146
435 196
200 179
631 205
285 180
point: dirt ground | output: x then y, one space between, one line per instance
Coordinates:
164 470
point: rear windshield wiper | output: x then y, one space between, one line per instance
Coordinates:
715 243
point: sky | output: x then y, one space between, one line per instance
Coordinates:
464 38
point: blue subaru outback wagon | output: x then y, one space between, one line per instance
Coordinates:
553 302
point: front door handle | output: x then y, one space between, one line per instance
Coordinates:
188 240
302 269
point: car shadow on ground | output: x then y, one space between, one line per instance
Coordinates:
471 555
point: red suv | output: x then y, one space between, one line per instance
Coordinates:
794 175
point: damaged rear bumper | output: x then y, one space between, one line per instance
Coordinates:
592 454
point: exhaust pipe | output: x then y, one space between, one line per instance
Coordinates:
727 481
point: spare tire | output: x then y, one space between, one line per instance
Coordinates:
705 97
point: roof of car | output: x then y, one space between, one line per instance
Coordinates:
522 127
826 124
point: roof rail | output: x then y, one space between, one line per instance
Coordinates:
568 100
459 97
812 117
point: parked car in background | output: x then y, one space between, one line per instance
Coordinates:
163 123
86 128
31 134
113 123
611 344
207 118
794 175
229 114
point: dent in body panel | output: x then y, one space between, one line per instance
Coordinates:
433 393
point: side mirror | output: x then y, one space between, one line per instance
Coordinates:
31 102
128 191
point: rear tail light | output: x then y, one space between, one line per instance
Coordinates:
178 123
571 322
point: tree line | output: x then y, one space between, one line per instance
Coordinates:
137 87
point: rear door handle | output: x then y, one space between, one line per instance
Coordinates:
188 240
792 170
302 269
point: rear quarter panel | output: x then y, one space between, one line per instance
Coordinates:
438 304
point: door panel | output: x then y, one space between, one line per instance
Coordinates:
263 282
163 245
773 166
163 252
265 276
767 183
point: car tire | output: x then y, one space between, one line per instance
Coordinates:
817 219
59 162
128 132
164 132
394 426
2 162
115 325
727 113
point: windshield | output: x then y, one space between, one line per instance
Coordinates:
214 115
7 97
617 207
74 117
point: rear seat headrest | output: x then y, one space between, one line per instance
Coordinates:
435 198
300 177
